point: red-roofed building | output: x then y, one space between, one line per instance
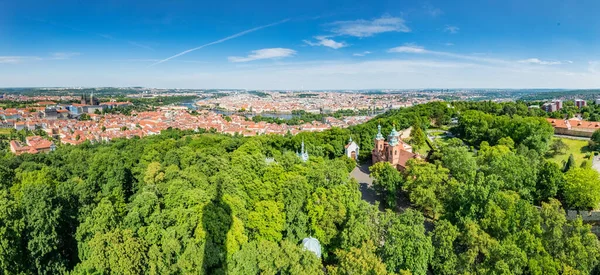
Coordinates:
574 127
34 145
394 150
46 103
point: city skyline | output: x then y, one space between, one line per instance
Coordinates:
296 46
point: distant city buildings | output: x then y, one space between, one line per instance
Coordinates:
311 102
62 125
580 103
33 145
552 106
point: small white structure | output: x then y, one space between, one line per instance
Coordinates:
303 155
351 149
311 244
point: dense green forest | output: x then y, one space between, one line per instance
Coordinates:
566 94
301 117
181 202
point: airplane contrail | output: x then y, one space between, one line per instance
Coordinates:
220 41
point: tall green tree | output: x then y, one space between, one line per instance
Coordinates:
444 237
118 252
582 188
407 246
549 182
387 182
356 260
427 185
267 221
569 164
11 228
594 142
417 135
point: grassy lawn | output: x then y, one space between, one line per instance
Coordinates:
4 131
439 137
576 147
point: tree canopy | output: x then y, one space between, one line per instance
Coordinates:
184 202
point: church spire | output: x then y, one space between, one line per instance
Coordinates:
303 153
393 137
379 136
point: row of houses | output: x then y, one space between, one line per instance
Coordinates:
32 145
574 127
557 105
110 126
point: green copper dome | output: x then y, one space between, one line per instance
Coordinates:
379 136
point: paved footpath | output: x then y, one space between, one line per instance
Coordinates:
596 163
361 174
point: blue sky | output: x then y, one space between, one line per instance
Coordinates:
311 44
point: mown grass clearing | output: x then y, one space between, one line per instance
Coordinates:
579 148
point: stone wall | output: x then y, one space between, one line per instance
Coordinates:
590 217
571 132
586 216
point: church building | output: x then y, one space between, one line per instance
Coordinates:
303 155
351 149
394 150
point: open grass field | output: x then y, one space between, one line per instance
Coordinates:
4 131
576 147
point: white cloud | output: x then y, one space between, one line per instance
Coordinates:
408 48
432 11
537 61
594 67
393 73
449 44
64 55
272 53
140 45
381 74
569 61
326 42
365 28
24 59
17 59
415 49
451 29
362 54
156 60
220 41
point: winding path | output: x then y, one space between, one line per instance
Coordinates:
361 174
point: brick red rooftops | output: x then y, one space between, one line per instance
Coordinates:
574 124
46 103
34 145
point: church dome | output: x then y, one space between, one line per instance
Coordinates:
394 133
379 136
393 137
311 244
